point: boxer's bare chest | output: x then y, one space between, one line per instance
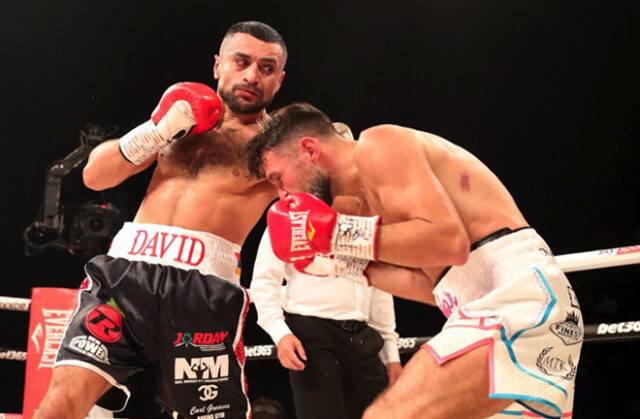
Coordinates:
213 150
202 183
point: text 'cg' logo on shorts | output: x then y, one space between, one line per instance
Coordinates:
208 392
105 323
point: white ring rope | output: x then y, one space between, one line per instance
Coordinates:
573 262
595 259
602 332
14 304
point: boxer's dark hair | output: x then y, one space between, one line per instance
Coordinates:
258 30
291 122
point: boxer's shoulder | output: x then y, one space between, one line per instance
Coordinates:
382 148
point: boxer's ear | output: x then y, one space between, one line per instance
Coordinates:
216 67
309 148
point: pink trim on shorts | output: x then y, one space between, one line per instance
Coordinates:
535 415
481 324
487 341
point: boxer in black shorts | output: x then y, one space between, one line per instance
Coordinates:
137 309
168 291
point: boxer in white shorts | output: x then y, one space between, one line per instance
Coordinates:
512 342
512 297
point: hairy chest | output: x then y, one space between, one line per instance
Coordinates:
204 152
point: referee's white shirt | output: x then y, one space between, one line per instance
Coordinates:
329 297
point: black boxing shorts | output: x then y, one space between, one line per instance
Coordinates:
155 300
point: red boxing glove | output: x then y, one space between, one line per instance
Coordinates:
185 108
302 225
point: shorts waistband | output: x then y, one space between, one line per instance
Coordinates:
495 235
493 264
487 239
178 247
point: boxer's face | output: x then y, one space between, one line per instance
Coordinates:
249 72
290 174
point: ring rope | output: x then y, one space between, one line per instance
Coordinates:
593 333
573 262
14 304
596 259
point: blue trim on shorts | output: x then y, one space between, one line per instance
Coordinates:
544 415
521 412
509 342
511 412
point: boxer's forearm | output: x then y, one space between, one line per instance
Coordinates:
107 167
410 284
418 243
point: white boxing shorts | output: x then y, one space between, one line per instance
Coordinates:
512 296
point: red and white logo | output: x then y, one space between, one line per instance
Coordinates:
628 249
299 240
447 303
105 323
49 333
206 341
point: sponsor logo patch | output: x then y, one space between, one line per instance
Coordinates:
569 330
206 341
298 230
105 323
208 392
49 334
447 303
205 370
618 328
257 351
407 343
209 411
628 249
91 347
553 365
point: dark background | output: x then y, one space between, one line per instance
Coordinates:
544 92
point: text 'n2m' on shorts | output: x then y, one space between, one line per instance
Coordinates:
512 296
170 298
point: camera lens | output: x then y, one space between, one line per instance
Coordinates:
96 224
